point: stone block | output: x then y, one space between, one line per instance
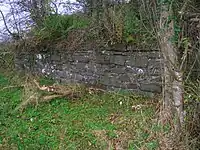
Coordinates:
131 61
67 58
124 78
131 86
118 69
121 53
81 66
110 80
151 87
118 47
154 67
55 57
117 59
141 61
84 59
102 59
77 77
102 69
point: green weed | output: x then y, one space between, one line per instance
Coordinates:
58 26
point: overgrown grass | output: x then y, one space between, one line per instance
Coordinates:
104 121
119 24
57 26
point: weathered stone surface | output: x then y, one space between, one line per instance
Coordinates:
82 66
124 78
78 77
84 59
111 68
131 61
121 53
59 74
151 87
118 70
55 57
102 69
102 59
141 61
118 47
131 86
117 59
154 66
110 79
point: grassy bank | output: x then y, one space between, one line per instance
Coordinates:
95 121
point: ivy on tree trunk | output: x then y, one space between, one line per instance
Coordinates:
172 75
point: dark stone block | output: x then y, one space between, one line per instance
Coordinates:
124 78
132 86
118 70
55 57
122 53
151 87
118 47
102 59
117 59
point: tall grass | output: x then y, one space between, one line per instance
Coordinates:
57 26
192 109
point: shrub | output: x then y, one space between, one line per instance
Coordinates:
57 26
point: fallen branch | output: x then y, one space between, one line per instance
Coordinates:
59 91
51 92
31 99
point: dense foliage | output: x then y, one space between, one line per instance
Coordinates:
57 26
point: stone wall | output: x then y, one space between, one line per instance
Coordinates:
113 68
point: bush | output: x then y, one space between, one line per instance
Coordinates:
192 108
57 26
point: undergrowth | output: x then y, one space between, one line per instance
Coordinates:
115 25
95 121
57 26
111 120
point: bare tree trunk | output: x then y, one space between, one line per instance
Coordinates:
173 84
39 9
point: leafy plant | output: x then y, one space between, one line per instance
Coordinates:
192 116
57 26
131 24
192 91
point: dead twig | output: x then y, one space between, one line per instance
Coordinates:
33 96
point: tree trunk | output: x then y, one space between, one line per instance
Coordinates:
173 84
39 9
